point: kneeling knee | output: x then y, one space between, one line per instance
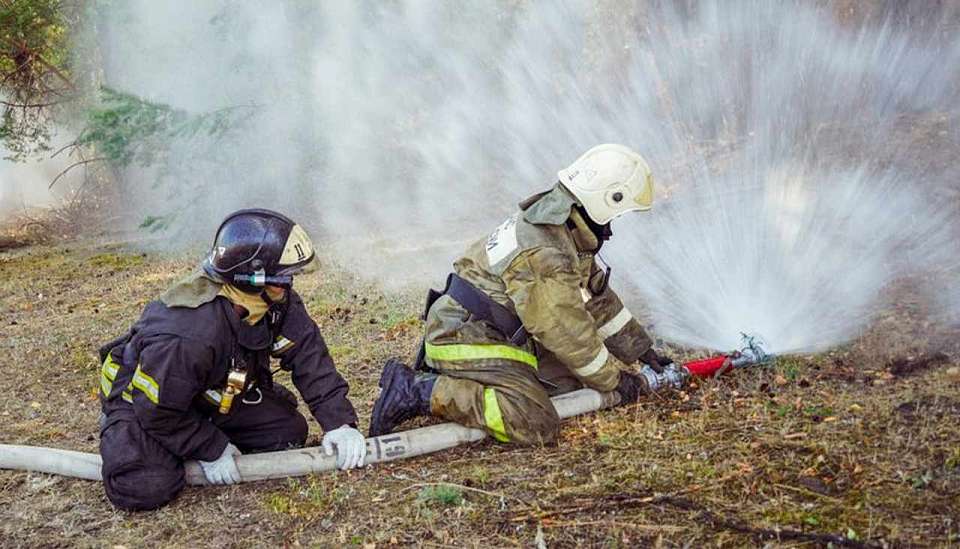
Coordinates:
534 428
297 435
143 489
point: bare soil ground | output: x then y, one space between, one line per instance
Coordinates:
859 446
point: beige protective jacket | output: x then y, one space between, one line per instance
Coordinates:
540 263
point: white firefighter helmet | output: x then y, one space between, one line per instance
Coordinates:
609 180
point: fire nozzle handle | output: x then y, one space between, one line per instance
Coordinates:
707 367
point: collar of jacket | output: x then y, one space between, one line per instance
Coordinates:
548 208
192 291
584 237
555 207
197 289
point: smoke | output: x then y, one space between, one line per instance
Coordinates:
21 187
801 159
24 186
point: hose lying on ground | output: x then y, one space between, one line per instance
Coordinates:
302 461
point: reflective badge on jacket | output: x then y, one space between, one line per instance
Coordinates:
281 345
502 241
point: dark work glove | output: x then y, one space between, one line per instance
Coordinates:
631 387
650 358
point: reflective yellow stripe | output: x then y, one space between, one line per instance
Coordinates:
105 384
595 364
477 352
615 324
110 368
108 373
127 396
491 414
146 384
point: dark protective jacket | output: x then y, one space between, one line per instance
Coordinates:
174 362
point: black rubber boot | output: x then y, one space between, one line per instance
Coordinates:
403 396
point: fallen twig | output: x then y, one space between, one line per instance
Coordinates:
547 523
808 492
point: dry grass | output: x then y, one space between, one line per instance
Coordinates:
828 445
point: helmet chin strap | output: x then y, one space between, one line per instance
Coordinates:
602 232
260 279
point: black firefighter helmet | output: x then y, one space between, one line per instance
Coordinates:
257 247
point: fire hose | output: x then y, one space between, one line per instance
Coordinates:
401 445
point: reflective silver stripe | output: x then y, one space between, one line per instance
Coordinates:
585 294
615 324
110 369
280 344
595 364
213 396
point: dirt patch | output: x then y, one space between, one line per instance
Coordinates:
927 407
906 366
12 243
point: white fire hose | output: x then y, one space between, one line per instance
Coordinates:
303 461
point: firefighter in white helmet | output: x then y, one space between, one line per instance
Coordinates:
528 313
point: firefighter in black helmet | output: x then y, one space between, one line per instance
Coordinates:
258 248
192 380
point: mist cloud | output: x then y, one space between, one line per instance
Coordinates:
791 190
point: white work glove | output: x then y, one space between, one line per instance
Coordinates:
351 446
223 470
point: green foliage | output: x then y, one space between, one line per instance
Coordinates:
34 70
155 223
24 132
953 462
307 498
791 367
480 475
921 481
442 495
125 128
818 411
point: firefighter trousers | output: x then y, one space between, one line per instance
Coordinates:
140 474
485 381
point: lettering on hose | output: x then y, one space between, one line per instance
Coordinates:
502 241
392 447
